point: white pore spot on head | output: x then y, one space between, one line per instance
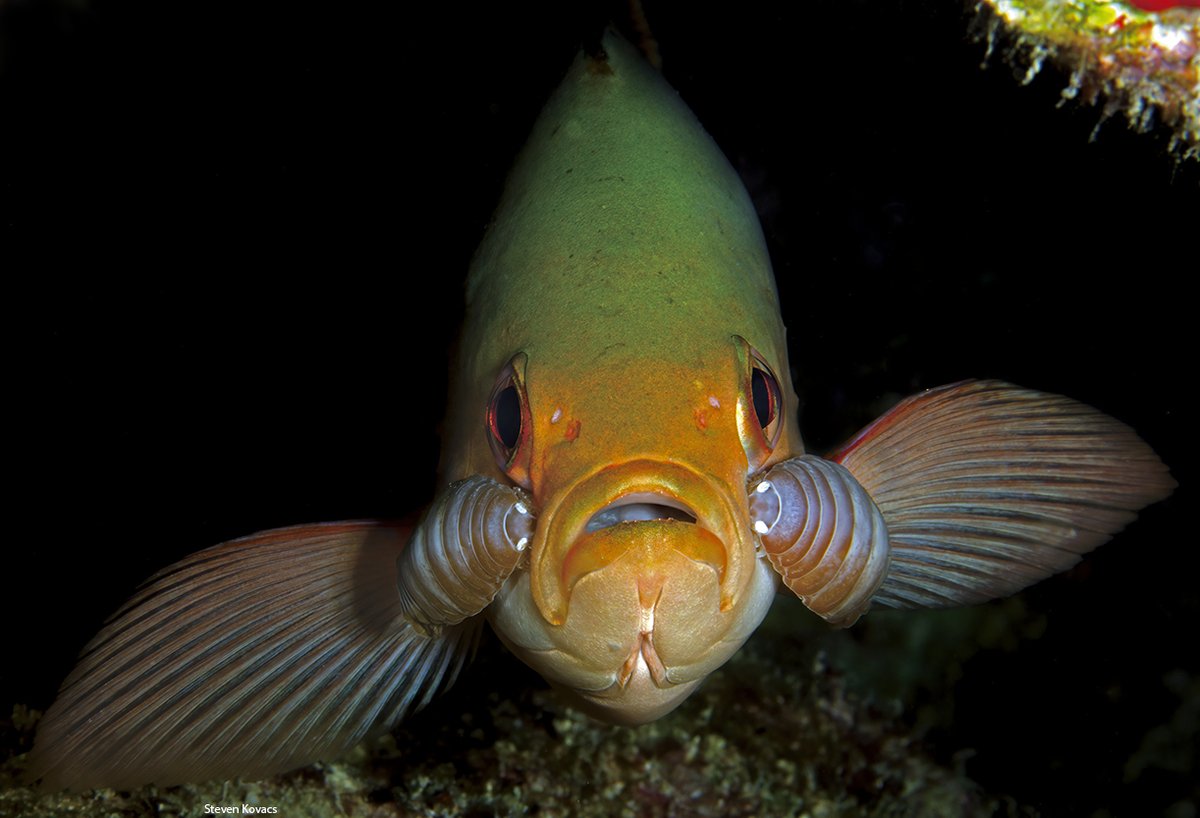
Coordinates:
557 414
765 485
520 507
521 543
761 527
713 402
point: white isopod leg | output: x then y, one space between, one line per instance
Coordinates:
823 534
465 547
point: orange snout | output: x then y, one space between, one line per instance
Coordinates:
643 580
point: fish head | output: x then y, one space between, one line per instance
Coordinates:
643 574
624 343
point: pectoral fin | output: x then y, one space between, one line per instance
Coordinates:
247 659
958 495
987 488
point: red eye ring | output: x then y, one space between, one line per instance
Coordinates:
761 408
764 392
507 421
504 418
767 398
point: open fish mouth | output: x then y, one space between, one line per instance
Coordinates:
640 507
629 518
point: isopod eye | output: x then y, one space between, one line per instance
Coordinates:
507 422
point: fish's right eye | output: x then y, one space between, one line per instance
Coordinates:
507 422
504 418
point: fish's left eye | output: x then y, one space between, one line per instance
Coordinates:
767 399
765 393
507 422
761 408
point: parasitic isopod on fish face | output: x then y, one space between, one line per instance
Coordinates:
823 534
467 545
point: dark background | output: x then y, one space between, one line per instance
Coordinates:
232 241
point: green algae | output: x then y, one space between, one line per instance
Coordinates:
1140 64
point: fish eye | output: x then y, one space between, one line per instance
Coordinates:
767 399
504 417
761 410
507 422
765 392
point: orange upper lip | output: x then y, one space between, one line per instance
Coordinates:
584 528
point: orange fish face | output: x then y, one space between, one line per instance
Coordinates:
643 574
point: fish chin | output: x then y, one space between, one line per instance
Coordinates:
643 630
640 701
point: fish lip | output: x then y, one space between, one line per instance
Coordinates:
709 500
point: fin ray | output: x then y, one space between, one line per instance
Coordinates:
247 659
987 488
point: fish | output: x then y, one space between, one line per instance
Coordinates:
623 490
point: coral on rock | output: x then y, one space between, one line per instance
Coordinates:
1137 59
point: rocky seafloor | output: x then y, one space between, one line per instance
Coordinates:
804 721
776 732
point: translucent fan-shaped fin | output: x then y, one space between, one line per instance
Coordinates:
986 488
246 659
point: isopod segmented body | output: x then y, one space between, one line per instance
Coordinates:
823 534
465 547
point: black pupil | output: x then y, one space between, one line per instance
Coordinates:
764 397
506 417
